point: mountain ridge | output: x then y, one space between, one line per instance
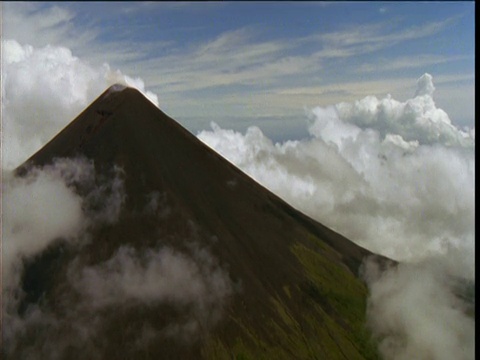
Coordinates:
106 111
295 286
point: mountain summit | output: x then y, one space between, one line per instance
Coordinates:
198 262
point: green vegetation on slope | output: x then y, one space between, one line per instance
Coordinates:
331 325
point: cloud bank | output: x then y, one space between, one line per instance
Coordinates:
397 178
404 198
417 119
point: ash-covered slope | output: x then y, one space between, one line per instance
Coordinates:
262 279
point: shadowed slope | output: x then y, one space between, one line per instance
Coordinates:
295 291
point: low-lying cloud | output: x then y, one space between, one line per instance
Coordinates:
38 209
59 205
194 282
42 208
397 178
415 311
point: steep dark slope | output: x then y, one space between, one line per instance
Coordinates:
295 286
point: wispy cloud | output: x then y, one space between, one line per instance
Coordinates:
231 58
366 38
240 66
237 58
407 62
34 24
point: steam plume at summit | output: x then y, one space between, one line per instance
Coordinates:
35 107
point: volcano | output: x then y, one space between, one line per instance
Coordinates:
249 277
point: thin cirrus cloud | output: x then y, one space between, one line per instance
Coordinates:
241 62
32 24
372 37
235 57
230 59
407 62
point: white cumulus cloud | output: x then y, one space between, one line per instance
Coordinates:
417 119
36 107
397 178
398 195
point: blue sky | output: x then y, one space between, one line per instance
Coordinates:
264 63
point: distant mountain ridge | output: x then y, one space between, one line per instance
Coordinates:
273 282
